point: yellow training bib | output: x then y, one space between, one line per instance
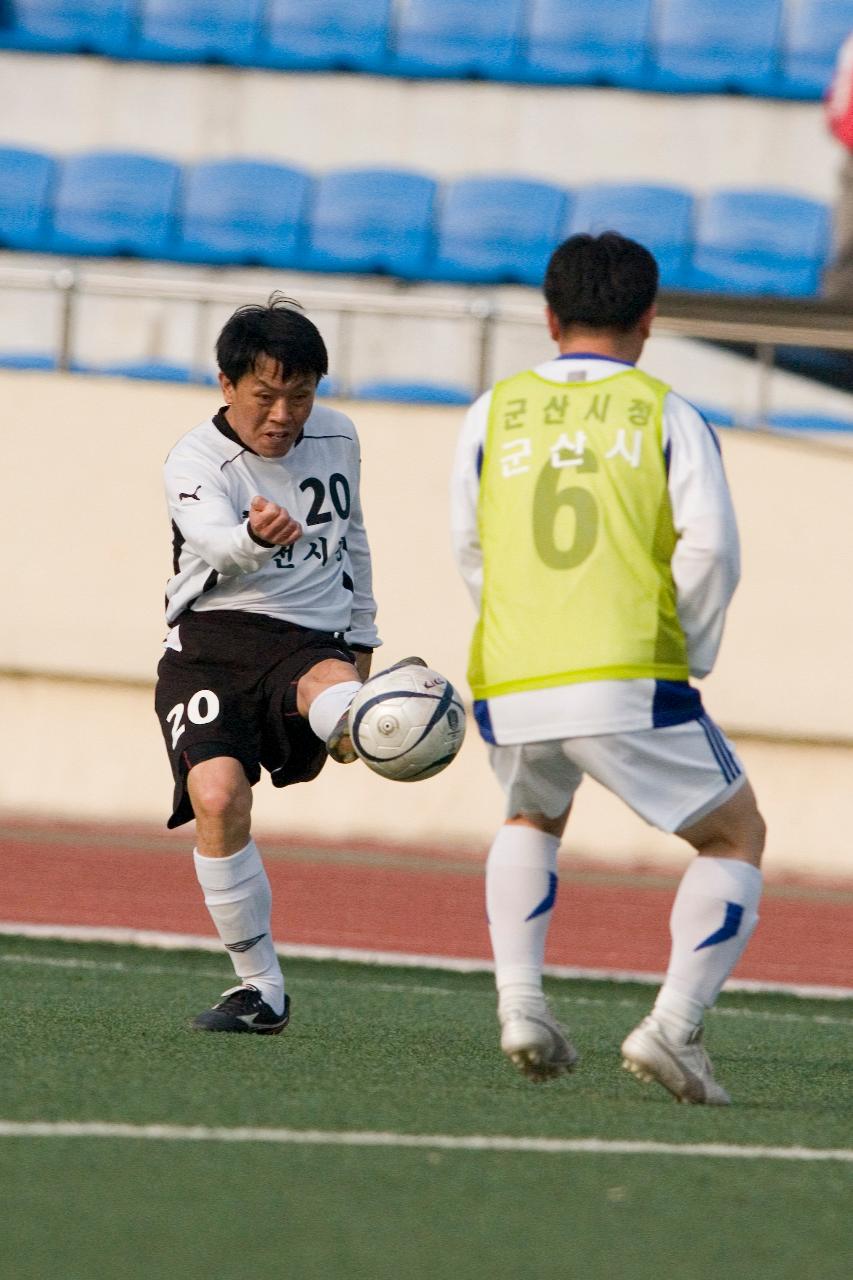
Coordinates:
577 536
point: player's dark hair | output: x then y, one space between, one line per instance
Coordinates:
600 282
279 330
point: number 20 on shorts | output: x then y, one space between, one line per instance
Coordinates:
202 708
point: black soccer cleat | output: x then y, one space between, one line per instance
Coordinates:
339 742
243 1009
404 662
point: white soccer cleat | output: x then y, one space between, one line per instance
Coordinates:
536 1044
684 1069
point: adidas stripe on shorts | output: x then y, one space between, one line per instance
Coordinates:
671 776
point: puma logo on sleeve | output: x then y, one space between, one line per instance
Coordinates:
181 496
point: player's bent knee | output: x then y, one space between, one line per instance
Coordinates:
220 790
541 822
759 831
322 675
735 830
747 841
222 803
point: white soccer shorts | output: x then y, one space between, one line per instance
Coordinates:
671 776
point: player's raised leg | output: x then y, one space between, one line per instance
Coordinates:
325 695
713 917
237 895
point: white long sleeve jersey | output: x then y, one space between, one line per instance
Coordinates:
324 581
705 568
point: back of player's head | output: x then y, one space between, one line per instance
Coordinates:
600 282
278 330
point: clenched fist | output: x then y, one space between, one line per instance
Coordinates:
272 523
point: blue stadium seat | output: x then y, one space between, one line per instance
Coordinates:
716 416
832 368
659 217
497 229
243 211
759 242
713 46
144 370
413 392
37 360
372 220
812 33
573 42
68 26
456 38
26 182
199 30
329 386
111 202
808 422
325 35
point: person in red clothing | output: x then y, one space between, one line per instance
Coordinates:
838 279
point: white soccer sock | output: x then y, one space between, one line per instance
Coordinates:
328 707
713 917
237 895
521 886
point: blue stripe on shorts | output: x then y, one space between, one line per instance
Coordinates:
722 751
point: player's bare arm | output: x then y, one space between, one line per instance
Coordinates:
272 523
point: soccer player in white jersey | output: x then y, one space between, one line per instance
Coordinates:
271 623
593 527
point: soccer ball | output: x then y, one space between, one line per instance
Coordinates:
407 723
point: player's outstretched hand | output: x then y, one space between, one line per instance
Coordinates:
273 523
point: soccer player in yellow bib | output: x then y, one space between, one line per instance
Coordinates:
593 526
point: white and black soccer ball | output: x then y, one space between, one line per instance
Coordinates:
407 723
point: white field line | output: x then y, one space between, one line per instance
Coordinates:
397 959
430 1141
159 970
392 988
822 1019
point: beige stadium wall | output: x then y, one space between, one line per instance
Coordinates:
562 135
87 551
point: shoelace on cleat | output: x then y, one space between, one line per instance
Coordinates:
245 1000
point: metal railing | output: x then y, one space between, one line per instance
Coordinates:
763 324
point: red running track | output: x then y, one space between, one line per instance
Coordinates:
415 901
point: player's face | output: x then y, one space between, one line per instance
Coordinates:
268 411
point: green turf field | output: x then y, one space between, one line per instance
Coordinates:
98 1033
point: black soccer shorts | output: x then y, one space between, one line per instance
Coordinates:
231 691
